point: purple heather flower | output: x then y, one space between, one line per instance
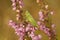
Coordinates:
14 4
29 27
42 27
21 25
31 34
13 24
41 16
39 23
21 30
20 3
46 30
36 38
53 26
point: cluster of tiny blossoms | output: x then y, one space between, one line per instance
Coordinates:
48 30
28 29
17 6
21 30
16 3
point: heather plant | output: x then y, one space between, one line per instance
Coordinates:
26 26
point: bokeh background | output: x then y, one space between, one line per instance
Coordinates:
6 13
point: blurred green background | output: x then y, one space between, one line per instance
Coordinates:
6 13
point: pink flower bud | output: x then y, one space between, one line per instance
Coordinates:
27 28
20 6
13 0
39 36
46 6
38 23
14 4
53 26
14 8
10 22
17 10
20 2
51 12
32 34
37 1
